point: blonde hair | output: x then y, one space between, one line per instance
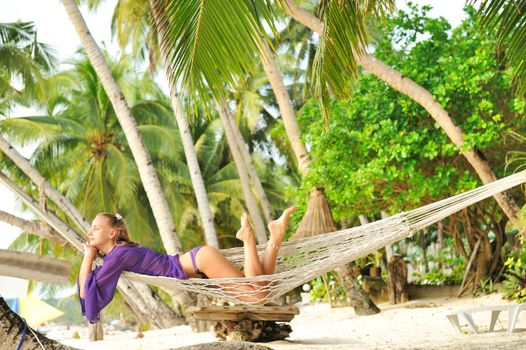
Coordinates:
119 224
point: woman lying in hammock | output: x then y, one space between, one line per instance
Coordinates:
109 237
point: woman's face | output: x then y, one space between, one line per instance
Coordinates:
101 232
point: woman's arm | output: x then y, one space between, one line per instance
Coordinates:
87 263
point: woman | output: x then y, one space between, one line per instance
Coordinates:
109 237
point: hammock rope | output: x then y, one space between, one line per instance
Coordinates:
303 259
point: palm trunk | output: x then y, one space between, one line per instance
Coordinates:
37 228
263 200
203 203
360 301
12 331
144 294
426 100
31 266
64 203
152 186
286 109
252 206
423 97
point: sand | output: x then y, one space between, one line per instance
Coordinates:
419 324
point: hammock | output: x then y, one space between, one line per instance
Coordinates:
303 259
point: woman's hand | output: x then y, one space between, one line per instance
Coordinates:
89 251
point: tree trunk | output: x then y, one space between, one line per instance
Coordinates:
426 100
139 296
65 230
36 228
12 331
203 204
389 252
252 206
397 282
152 186
362 304
32 266
61 201
149 304
286 109
265 204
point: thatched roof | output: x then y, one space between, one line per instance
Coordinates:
33 267
318 218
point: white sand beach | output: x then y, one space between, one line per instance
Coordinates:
418 324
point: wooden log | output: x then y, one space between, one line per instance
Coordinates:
241 312
249 330
247 323
397 282
33 267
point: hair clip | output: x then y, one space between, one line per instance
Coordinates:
118 216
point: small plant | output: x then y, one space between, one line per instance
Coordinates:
438 277
487 286
514 286
328 287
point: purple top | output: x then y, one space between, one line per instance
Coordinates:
102 281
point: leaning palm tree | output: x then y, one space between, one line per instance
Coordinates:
141 156
81 129
408 87
82 150
129 17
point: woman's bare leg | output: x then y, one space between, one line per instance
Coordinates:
252 265
277 230
214 264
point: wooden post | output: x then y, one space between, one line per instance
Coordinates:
397 282
95 331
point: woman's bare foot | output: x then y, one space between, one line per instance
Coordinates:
278 227
245 233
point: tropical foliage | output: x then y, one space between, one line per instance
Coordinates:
378 150
23 63
382 151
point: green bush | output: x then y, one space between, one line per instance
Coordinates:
437 277
514 284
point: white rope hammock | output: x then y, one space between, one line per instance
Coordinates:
303 259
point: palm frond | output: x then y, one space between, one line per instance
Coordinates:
210 44
343 40
509 17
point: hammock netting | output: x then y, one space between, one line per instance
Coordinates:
303 259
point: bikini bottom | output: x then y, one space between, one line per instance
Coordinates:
193 253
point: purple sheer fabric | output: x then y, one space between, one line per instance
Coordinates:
100 285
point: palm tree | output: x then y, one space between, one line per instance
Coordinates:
241 165
426 100
135 20
147 172
83 151
24 58
78 142
508 18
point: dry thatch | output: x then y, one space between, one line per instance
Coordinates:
318 218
